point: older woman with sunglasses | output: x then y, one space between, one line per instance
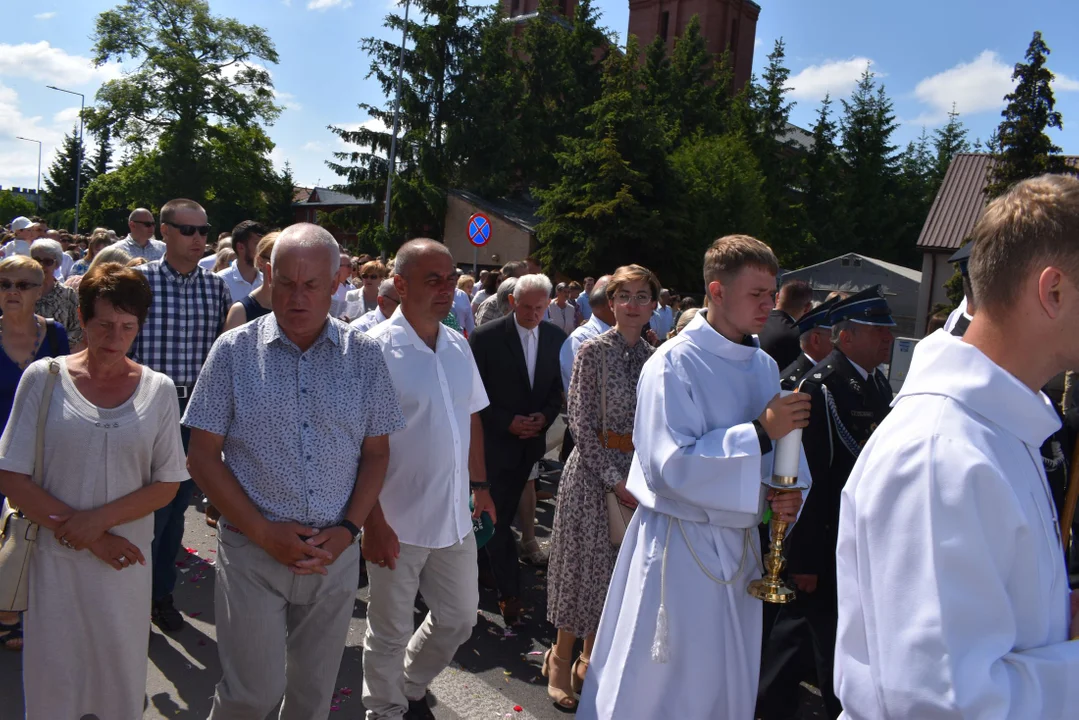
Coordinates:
24 337
258 302
58 301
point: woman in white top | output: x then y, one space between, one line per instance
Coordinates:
561 311
112 456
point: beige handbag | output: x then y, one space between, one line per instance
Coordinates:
17 532
618 515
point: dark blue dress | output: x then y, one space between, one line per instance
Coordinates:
10 372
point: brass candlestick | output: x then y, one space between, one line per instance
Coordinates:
771 587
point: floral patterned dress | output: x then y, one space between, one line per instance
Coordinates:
582 556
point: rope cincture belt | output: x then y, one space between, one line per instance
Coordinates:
660 643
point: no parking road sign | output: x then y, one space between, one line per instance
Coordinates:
479 229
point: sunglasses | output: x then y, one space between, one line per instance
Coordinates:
21 285
149 223
45 262
189 230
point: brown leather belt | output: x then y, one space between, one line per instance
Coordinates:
616 441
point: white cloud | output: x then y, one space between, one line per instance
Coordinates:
327 4
974 87
834 77
45 16
44 63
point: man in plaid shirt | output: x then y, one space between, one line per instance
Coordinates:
186 316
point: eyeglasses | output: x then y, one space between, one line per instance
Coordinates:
624 298
45 262
151 223
189 230
21 285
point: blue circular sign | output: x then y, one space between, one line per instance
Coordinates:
479 229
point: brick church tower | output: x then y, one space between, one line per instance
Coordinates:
724 23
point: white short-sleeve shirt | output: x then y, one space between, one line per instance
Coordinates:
425 495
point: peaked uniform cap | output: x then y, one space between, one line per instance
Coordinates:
818 317
867 307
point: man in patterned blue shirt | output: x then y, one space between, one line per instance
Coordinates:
187 314
289 440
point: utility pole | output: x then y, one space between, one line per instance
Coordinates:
78 167
392 167
17 137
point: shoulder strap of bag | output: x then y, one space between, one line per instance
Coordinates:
50 337
42 416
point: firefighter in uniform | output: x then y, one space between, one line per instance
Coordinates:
850 397
815 341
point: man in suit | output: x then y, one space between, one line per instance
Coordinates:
779 337
849 399
517 357
815 342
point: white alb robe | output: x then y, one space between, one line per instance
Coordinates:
697 474
954 315
953 595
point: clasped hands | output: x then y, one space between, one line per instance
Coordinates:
89 530
303 550
528 426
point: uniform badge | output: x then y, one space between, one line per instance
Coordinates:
817 376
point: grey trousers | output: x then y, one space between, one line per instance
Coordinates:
398 664
278 634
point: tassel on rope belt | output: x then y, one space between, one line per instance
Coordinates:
660 643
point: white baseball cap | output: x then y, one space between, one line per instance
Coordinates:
20 223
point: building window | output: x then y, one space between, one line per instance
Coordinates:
664 24
845 262
735 24
562 7
515 7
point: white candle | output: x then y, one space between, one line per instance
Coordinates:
787 451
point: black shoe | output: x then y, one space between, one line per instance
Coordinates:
165 615
419 710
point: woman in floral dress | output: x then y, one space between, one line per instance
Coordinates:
582 556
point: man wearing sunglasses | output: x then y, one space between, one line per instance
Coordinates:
187 314
140 241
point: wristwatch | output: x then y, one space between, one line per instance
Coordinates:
351 527
480 485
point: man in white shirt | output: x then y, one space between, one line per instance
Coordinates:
387 300
140 242
584 300
953 593
340 295
419 535
242 277
680 636
663 317
25 233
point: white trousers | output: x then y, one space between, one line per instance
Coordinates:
399 664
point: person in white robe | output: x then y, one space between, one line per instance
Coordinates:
953 594
680 637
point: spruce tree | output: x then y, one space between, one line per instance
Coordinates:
948 142
59 190
1022 148
821 169
103 155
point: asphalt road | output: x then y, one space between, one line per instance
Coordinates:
493 674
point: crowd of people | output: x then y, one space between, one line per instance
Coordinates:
294 385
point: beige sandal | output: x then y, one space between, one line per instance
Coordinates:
555 672
577 680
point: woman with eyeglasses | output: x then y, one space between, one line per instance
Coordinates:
25 337
258 302
601 404
372 274
58 301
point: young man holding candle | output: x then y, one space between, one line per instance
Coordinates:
849 398
680 635
953 595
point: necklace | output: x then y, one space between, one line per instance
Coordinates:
23 364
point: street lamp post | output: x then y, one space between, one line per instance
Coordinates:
78 166
392 168
38 196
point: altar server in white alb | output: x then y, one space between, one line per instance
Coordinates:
953 595
680 637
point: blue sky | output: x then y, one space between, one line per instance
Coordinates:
928 54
